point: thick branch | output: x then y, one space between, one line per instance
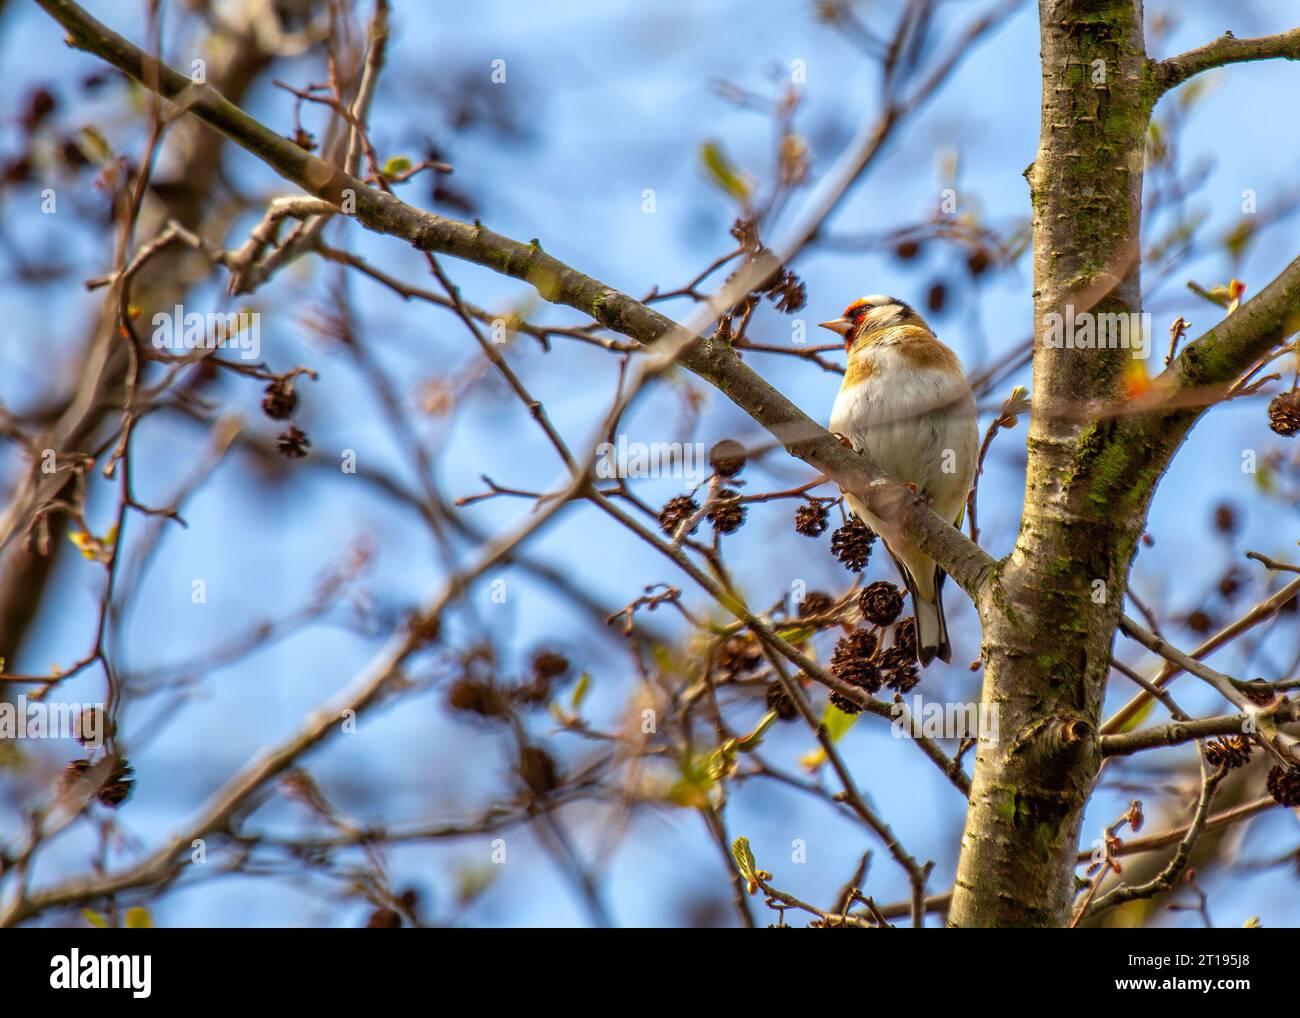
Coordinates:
1227 49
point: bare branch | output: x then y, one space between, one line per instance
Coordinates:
1179 732
1227 49
1176 866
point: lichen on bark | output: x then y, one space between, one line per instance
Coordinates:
1047 639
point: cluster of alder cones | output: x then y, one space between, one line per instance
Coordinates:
860 659
1284 413
1233 751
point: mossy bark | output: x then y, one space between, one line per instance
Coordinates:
1050 617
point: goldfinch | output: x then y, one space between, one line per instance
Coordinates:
906 404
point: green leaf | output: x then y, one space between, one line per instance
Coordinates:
1138 717
1157 149
723 172
749 743
796 634
1239 237
698 780
665 660
1017 403
472 881
689 794
94 146
1197 89
1264 479
744 856
838 722
396 166
720 764
1215 295
580 690
138 919
733 604
11 757
94 918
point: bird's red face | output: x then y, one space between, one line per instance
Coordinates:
847 324
875 311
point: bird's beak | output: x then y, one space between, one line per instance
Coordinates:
841 326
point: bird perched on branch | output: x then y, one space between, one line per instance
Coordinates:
906 404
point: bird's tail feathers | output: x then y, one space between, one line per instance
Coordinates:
931 626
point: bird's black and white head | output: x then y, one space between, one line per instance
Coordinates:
875 311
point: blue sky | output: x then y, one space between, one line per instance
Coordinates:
614 98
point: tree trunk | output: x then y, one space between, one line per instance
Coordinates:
1051 610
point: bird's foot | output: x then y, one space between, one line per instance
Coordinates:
844 439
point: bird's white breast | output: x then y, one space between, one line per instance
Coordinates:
918 424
